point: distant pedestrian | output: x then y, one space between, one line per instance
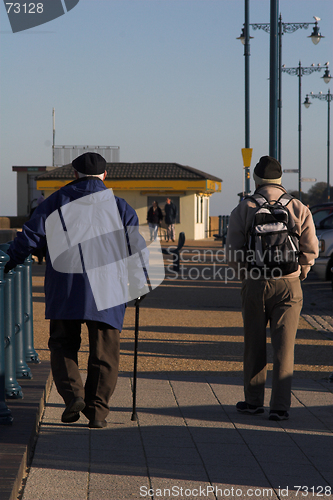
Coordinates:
272 244
154 218
170 210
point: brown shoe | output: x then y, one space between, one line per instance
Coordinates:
72 412
97 424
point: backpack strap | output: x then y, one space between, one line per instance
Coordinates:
259 199
284 199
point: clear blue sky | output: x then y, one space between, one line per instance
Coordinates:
164 80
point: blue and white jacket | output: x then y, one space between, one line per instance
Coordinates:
69 291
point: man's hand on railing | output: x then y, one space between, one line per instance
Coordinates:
9 266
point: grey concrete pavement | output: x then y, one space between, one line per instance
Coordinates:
318 304
188 442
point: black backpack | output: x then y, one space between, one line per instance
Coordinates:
273 244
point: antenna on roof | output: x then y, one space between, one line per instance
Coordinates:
53 144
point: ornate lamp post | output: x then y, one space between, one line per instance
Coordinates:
301 71
245 39
285 28
328 98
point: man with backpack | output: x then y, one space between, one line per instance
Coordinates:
272 244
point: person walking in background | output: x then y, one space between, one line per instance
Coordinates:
69 295
170 210
154 218
271 282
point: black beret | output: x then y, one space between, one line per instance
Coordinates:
90 164
268 169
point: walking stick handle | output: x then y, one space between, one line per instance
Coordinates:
134 416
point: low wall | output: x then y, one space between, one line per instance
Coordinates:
18 221
7 235
9 225
13 222
213 225
4 223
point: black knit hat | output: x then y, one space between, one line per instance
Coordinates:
267 171
90 164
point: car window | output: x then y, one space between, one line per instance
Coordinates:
320 215
327 223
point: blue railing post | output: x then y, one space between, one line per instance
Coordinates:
22 369
225 228
31 354
5 413
13 389
220 235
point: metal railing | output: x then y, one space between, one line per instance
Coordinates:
223 228
16 331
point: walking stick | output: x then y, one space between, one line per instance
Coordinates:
136 333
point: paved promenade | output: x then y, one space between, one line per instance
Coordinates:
189 441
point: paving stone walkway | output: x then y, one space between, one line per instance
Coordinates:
189 441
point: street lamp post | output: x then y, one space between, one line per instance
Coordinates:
245 39
273 79
328 98
247 93
285 28
301 71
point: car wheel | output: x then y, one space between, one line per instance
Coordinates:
329 271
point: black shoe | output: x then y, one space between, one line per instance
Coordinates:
244 407
97 424
278 415
72 411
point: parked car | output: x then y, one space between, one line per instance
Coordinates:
320 212
324 263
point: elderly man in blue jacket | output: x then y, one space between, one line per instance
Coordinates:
78 283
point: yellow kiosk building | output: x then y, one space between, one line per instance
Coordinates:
142 183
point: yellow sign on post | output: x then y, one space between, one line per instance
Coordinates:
247 156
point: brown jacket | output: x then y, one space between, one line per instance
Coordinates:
240 224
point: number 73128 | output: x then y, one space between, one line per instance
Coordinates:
25 8
317 491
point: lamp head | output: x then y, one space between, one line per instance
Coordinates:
307 103
327 77
316 35
242 37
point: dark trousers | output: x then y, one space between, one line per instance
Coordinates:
278 302
103 364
